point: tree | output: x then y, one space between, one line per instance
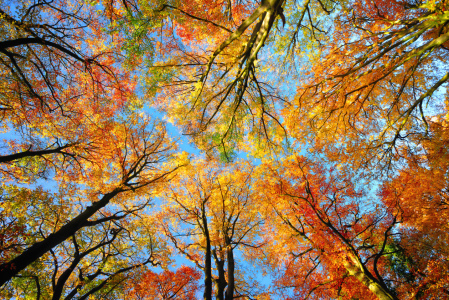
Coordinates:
209 216
356 88
94 260
376 85
70 109
57 80
223 88
420 190
333 245
132 171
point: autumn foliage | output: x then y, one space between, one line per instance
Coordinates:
320 157
181 284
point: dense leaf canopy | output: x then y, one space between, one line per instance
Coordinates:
321 149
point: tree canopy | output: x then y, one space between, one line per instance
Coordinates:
321 149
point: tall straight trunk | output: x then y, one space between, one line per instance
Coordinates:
10 269
220 283
231 267
208 260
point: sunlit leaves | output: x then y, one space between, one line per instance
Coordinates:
181 284
343 102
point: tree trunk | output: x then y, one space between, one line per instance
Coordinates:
10 269
220 283
367 279
231 267
208 260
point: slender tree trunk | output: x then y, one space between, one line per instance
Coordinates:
207 259
231 267
58 289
